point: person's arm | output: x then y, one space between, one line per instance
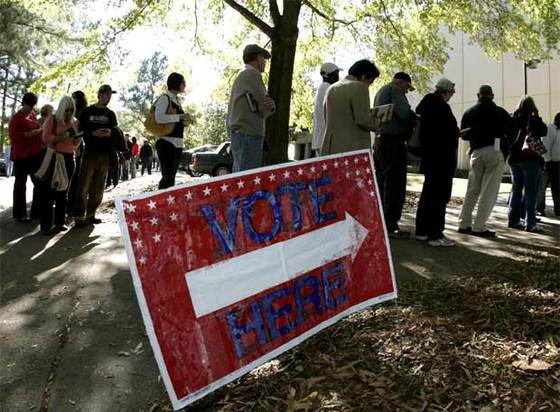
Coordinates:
359 103
49 134
162 103
401 107
255 86
16 129
549 138
537 127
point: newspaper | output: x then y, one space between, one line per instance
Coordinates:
380 114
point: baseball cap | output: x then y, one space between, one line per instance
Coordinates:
106 89
254 48
328 68
406 77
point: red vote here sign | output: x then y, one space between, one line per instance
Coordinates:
233 271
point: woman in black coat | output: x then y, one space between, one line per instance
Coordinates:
439 137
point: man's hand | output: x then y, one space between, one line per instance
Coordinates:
102 133
268 104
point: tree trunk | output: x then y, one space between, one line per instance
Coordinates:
3 118
17 88
284 42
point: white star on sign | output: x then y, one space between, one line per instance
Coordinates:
142 260
224 187
300 171
365 158
130 207
356 160
358 172
138 243
336 164
347 175
286 174
257 180
240 184
372 193
157 238
188 195
173 216
346 162
360 183
171 200
152 204
370 181
134 226
325 167
312 169
154 221
207 191
272 177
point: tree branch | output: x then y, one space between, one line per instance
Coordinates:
392 23
274 12
46 30
253 19
325 16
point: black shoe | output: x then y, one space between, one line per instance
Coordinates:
465 230
517 226
399 234
486 233
61 228
82 223
95 221
23 219
48 232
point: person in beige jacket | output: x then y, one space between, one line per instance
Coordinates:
347 110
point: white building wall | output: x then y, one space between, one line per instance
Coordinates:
468 67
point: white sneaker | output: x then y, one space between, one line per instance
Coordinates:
421 238
442 242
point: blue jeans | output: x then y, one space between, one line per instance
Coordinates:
247 151
524 189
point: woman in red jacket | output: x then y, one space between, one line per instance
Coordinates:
25 135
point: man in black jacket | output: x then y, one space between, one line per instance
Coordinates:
439 135
486 127
98 123
146 155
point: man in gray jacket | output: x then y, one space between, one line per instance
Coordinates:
249 106
389 151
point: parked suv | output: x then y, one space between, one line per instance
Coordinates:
186 157
217 162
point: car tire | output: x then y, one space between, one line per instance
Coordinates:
221 171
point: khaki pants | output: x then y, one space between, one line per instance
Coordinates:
485 176
95 167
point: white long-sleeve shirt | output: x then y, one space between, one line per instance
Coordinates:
319 123
162 117
552 143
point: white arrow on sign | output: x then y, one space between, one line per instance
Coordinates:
225 283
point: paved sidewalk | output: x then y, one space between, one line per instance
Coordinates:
71 335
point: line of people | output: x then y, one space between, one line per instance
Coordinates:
70 154
343 123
